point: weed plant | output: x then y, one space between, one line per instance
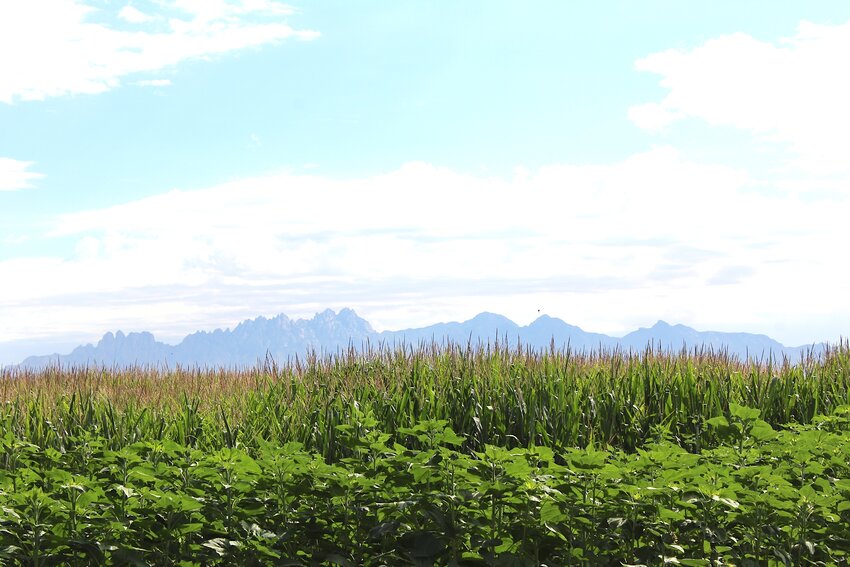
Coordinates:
762 497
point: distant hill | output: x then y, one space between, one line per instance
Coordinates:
281 338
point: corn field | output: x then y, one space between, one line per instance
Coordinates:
502 395
433 455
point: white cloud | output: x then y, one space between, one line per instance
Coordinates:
606 247
14 174
134 15
793 92
62 47
657 182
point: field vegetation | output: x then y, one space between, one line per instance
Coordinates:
439 454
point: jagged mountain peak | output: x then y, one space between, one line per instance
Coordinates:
280 337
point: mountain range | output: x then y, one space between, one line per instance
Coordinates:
282 338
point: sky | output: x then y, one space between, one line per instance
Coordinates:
178 165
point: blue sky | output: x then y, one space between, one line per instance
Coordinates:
182 164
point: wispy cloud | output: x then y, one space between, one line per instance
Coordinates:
64 47
154 83
793 92
590 242
15 174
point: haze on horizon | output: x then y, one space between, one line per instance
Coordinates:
176 165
